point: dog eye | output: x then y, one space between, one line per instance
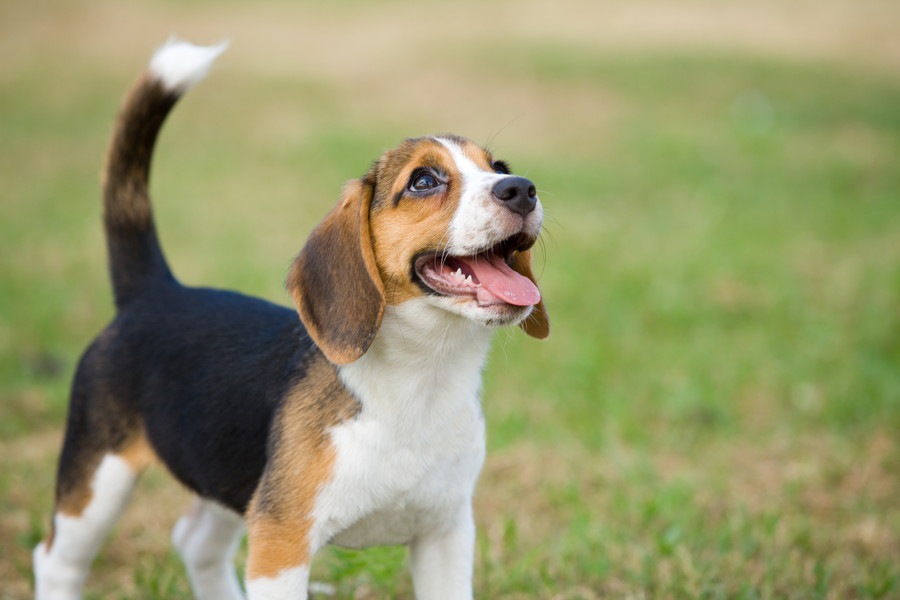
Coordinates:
501 167
423 181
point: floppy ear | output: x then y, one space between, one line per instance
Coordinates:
334 281
537 325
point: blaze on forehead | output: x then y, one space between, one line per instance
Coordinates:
478 155
419 152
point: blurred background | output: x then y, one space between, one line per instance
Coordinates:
716 412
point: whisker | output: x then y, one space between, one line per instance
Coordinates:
445 251
494 136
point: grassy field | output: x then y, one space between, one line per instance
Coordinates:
716 413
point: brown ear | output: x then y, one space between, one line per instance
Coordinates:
334 281
537 325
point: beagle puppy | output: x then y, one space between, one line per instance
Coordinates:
357 424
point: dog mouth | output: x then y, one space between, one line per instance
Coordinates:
485 277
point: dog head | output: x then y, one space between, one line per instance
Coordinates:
437 218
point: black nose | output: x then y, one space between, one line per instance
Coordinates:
517 193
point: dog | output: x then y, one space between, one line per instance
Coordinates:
356 424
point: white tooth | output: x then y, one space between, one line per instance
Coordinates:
469 279
458 273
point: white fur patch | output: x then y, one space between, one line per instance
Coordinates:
180 65
207 538
60 573
290 584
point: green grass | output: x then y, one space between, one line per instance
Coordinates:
716 412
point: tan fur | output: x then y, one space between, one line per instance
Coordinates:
285 545
280 515
138 453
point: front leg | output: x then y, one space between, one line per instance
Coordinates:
442 560
278 559
281 528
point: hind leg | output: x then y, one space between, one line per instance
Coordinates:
207 538
83 518
104 452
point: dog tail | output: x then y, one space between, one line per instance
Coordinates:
135 256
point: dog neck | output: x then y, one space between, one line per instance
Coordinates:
424 364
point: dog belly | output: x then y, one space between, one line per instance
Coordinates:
433 504
383 528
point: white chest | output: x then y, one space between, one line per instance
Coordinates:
386 489
411 458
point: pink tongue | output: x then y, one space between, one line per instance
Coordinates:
504 284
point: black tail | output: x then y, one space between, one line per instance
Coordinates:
135 256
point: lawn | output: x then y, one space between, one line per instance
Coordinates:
716 412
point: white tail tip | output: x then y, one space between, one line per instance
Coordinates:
179 65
